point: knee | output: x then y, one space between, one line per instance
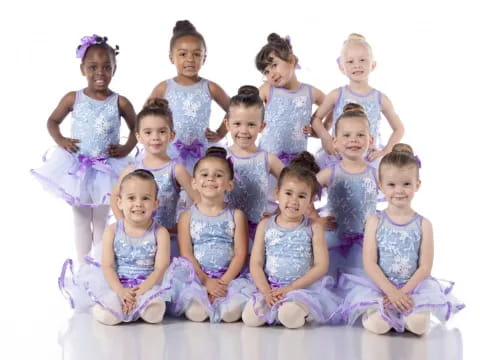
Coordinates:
292 315
418 323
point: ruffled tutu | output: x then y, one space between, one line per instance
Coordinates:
345 253
188 288
323 304
79 179
431 295
88 287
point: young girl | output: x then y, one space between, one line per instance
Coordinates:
252 166
398 256
154 130
356 62
189 96
288 102
289 258
213 241
352 189
135 257
84 168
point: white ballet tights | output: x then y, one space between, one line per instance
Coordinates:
292 314
196 312
153 312
249 317
89 225
416 323
104 316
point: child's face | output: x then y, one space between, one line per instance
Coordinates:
244 124
279 72
356 62
155 134
188 55
294 198
353 138
98 67
399 184
212 178
137 200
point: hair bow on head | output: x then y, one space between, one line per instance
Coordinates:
85 43
417 159
289 40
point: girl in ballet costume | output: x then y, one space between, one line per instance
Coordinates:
252 166
290 258
134 279
398 257
189 96
154 130
352 190
83 169
213 243
356 62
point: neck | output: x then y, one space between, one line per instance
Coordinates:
360 87
187 80
136 228
242 151
288 222
211 206
353 165
403 213
98 95
293 84
155 160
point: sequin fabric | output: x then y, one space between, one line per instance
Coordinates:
134 256
288 251
371 102
96 123
212 238
250 193
286 114
398 247
168 193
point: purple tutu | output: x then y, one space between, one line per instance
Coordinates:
79 179
88 287
430 295
323 304
187 287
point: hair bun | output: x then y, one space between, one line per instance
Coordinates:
355 36
248 90
183 26
216 151
306 161
352 107
156 104
274 37
404 148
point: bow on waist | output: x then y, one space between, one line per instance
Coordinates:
285 157
86 162
275 282
131 282
347 241
194 150
215 274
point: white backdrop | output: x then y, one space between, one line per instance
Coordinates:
427 63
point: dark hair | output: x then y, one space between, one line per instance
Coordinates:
140 174
218 153
156 107
303 167
185 28
400 156
352 110
96 41
247 96
277 45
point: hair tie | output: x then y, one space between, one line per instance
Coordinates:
289 40
417 159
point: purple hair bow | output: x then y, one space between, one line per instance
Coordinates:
417 159
289 39
85 43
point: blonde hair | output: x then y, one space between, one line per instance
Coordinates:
401 156
354 38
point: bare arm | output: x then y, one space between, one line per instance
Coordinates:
108 260
64 107
323 177
240 249
184 179
223 100
257 259
275 165
323 110
318 97
159 91
116 193
128 113
264 92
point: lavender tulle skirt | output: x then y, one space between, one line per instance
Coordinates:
322 303
187 287
344 252
431 295
87 287
79 179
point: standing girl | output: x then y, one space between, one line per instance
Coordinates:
356 62
290 258
154 130
352 189
398 257
133 281
252 166
190 96
213 242
84 168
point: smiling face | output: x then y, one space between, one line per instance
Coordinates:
356 62
98 66
352 138
279 73
212 178
137 200
294 198
188 55
244 124
155 134
399 184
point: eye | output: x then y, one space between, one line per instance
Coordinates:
361 135
391 184
107 68
266 72
92 67
147 132
349 61
252 124
146 198
302 196
236 123
219 175
288 193
163 132
131 197
407 183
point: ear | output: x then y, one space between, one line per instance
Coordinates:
335 141
225 120
194 184
119 203
230 185
374 65
82 69
170 56
277 193
204 58
370 142
262 126
156 203
341 67
419 182
137 136
172 136
114 69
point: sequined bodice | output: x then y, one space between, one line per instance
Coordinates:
96 123
352 198
212 238
398 247
371 102
168 193
286 114
251 185
134 256
288 251
190 106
